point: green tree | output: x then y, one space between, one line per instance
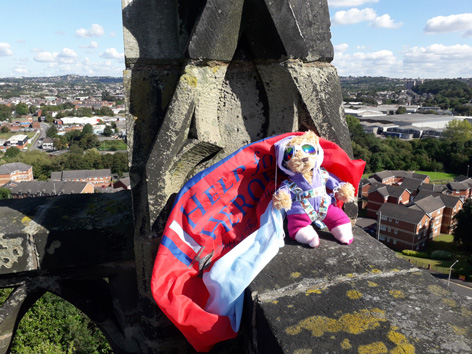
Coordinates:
22 109
401 110
5 193
5 112
89 141
52 131
108 131
4 129
32 109
458 131
87 129
462 234
12 152
54 326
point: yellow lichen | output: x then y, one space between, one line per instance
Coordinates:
397 294
303 351
275 302
353 323
437 290
313 291
290 306
190 79
376 271
403 346
373 348
353 294
350 275
295 275
449 302
26 220
372 284
345 344
460 331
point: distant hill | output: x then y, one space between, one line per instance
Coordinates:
64 79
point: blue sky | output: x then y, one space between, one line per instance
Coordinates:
394 38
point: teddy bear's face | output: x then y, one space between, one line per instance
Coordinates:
300 155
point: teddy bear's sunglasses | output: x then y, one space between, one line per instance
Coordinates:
290 150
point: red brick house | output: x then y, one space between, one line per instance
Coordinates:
433 207
381 194
458 189
99 178
452 205
17 171
403 228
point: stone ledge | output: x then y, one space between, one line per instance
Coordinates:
50 233
355 299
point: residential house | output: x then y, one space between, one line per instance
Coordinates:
458 189
381 194
16 171
412 184
48 144
433 207
396 177
48 188
452 205
402 228
124 183
99 178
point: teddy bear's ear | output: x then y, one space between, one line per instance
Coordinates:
311 136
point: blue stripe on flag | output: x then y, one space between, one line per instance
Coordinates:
172 247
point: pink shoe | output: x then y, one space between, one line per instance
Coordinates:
308 236
343 233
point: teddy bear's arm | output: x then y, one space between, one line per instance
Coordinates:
282 199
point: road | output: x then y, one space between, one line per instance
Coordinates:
459 286
42 135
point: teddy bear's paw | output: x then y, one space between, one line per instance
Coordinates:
282 200
308 236
343 233
346 193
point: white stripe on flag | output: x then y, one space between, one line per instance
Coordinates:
185 237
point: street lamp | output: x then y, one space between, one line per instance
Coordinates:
450 270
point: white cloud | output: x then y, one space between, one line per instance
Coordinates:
341 48
434 61
449 24
369 15
349 3
112 34
379 63
67 53
94 31
111 53
21 70
92 44
45 57
5 50
352 16
385 21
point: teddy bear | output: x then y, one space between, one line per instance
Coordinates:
309 193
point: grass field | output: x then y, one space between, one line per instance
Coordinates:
442 177
446 243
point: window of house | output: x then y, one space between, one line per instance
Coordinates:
395 231
389 229
394 241
382 238
384 218
397 221
390 219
